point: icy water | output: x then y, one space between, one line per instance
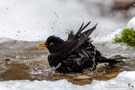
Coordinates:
21 60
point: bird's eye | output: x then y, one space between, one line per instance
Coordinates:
51 44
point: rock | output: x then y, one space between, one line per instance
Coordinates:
112 75
7 60
83 77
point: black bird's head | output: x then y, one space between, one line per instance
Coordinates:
53 44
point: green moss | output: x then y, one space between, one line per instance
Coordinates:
103 44
128 37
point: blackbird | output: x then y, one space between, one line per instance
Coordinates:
76 53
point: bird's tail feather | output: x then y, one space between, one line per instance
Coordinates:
111 60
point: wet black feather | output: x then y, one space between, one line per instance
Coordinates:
76 53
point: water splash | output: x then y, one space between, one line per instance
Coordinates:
44 72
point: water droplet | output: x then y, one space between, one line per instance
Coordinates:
18 31
17 56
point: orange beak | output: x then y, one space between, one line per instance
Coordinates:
42 45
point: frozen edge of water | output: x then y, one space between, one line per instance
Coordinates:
125 81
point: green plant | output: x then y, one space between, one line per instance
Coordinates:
128 37
103 44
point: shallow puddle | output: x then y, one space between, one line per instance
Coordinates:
34 71
30 63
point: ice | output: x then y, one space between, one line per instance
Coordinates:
124 81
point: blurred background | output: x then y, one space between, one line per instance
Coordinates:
34 20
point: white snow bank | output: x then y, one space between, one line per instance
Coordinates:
35 20
2 39
124 81
131 23
110 37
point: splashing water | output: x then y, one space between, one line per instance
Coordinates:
44 72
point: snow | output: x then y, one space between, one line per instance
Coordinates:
131 23
2 39
110 37
34 20
124 81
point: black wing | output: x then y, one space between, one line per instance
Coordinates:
71 35
72 44
76 40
